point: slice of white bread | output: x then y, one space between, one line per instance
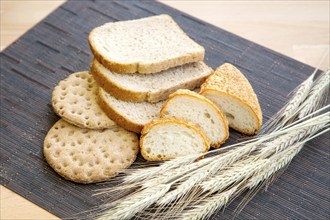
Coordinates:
191 106
129 115
168 138
233 94
146 45
152 87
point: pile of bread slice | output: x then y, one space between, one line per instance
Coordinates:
147 78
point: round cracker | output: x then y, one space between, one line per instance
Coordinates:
89 156
74 99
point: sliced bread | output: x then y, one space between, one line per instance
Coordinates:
189 105
233 94
152 87
129 115
146 45
168 138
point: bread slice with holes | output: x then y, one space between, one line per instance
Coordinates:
233 94
88 156
146 45
132 116
152 87
189 105
74 99
168 138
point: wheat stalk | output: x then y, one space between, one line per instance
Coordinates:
190 182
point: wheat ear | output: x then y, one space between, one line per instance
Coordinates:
203 169
274 164
128 207
298 134
317 95
286 113
178 174
204 209
271 168
145 173
194 178
290 110
237 172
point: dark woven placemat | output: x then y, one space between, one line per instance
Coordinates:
57 46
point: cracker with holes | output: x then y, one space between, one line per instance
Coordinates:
74 99
88 156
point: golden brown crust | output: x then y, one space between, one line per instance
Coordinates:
144 68
228 80
117 116
120 92
203 99
141 68
111 65
114 89
171 120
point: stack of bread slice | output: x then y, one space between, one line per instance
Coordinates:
139 63
143 79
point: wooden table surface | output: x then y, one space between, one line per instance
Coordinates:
298 29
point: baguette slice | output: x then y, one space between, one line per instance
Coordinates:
188 105
233 94
168 138
146 45
152 87
129 115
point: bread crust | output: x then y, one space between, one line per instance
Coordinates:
116 116
115 89
229 81
145 68
205 100
172 120
122 93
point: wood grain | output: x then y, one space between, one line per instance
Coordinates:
298 29
28 81
16 207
